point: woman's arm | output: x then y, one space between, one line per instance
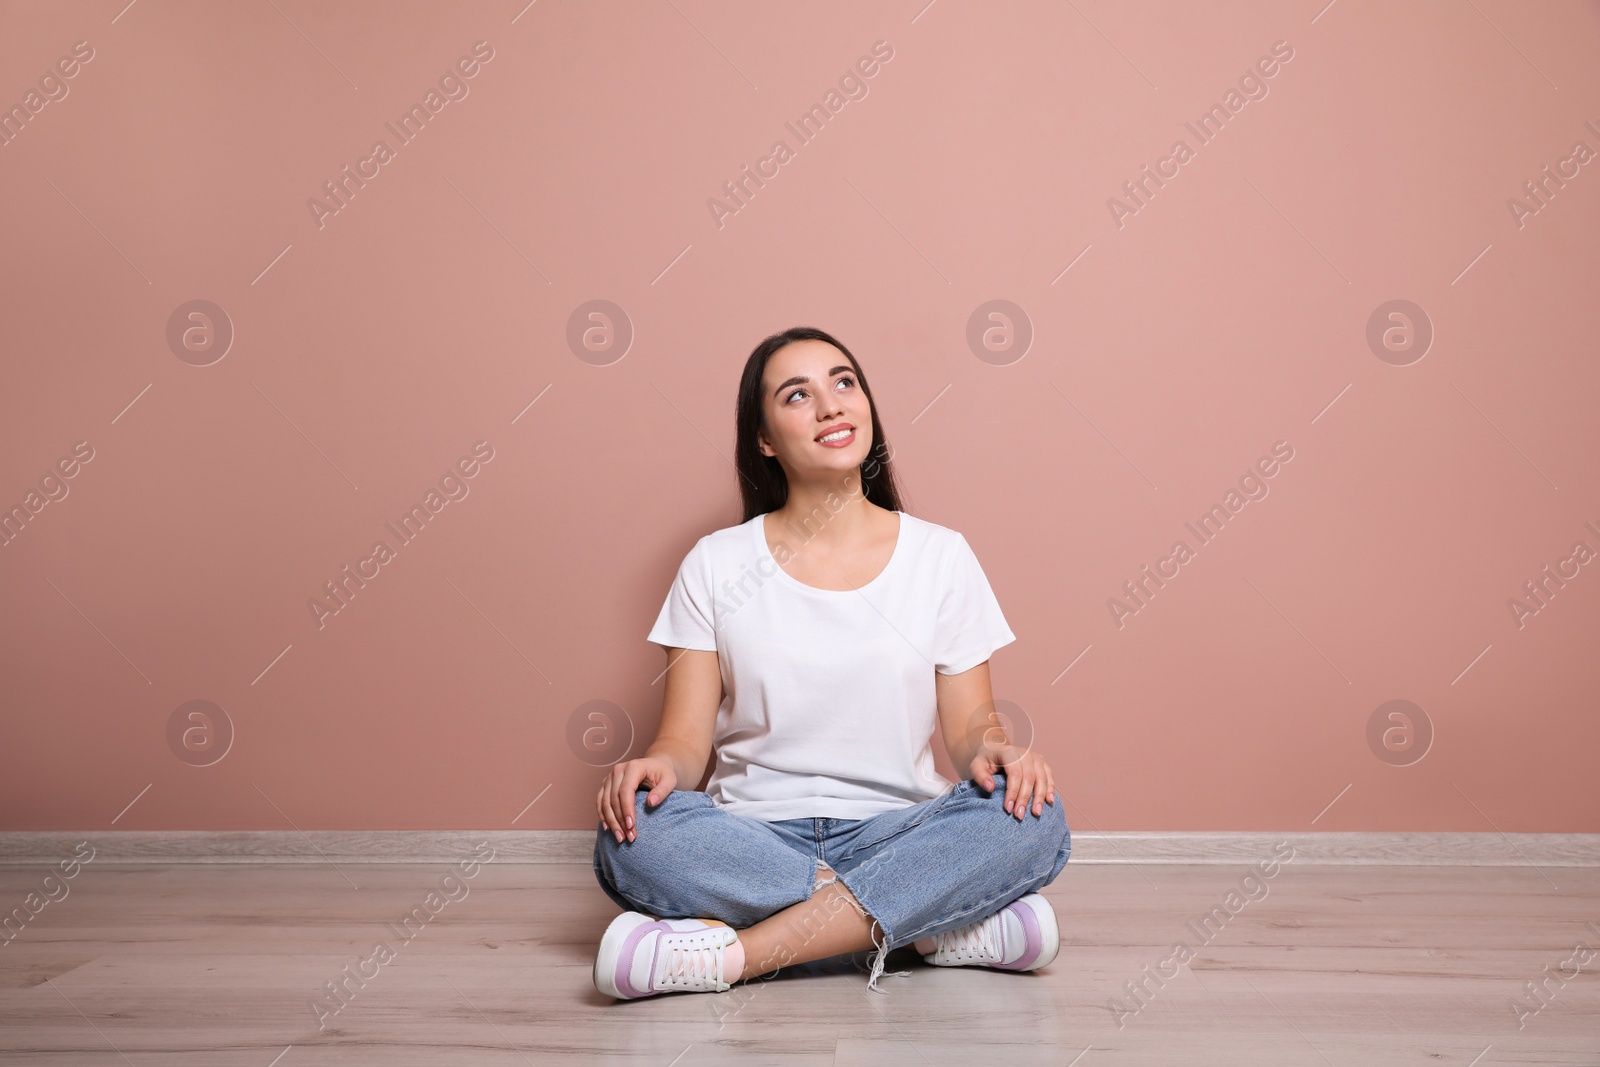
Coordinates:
977 742
688 713
959 698
681 747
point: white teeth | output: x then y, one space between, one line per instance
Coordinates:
837 435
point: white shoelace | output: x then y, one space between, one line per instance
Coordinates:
978 942
690 959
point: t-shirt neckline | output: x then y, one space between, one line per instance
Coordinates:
759 526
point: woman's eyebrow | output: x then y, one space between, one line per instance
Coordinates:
801 379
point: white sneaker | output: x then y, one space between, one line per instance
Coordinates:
1022 936
640 956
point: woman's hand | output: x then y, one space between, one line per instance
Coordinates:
1027 775
622 783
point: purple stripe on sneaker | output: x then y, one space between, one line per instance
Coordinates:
1034 939
625 957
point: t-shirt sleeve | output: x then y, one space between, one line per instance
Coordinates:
687 619
970 626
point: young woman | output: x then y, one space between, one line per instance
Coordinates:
814 646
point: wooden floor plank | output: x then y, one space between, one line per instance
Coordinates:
190 964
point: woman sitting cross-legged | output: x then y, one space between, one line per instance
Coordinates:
812 649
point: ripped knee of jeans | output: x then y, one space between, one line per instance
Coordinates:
881 949
832 878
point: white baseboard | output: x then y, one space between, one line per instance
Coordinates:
29 848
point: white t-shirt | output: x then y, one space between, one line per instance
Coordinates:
830 707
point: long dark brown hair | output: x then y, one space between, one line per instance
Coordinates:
762 482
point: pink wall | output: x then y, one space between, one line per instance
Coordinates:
1174 343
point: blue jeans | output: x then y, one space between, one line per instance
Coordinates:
917 871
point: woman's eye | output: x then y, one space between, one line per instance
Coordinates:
798 392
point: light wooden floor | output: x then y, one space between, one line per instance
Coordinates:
216 965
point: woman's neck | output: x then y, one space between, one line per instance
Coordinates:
829 517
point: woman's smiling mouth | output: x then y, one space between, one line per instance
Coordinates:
838 438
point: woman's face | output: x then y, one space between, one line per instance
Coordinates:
810 391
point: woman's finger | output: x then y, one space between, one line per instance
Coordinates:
627 799
613 811
622 804
978 769
1019 804
616 818
624 812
